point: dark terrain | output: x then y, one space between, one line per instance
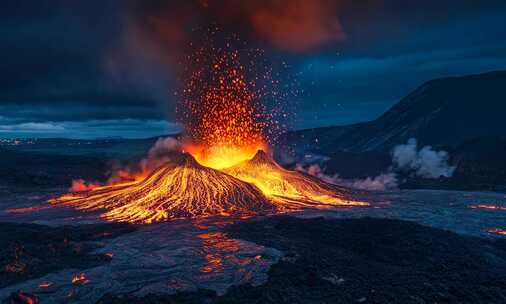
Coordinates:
461 115
29 251
326 261
361 261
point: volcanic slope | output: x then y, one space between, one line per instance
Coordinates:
289 188
186 189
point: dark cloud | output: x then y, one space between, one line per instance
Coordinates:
79 61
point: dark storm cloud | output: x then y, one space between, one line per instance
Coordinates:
359 79
53 58
79 61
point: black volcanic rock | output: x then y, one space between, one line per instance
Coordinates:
361 261
33 169
29 251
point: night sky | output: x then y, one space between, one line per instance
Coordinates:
87 69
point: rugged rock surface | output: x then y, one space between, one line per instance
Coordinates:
441 112
362 261
29 251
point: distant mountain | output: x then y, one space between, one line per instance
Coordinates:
444 112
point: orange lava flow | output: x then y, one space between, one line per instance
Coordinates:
173 191
499 231
289 188
226 171
189 190
79 279
45 285
488 207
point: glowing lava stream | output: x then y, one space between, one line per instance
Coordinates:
224 109
289 188
188 189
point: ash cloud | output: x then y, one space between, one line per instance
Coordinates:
296 25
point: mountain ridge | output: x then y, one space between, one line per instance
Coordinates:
441 112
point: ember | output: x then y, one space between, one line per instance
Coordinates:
79 279
45 285
223 169
499 231
224 104
488 206
22 297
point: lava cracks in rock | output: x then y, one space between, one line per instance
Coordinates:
176 191
290 189
188 189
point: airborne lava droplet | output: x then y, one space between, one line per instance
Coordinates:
226 172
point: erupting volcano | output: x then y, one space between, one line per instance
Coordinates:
185 189
223 168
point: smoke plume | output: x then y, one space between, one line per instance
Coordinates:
382 182
163 151
425 162
299 25
293 25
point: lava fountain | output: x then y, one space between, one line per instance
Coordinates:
223 105
223 168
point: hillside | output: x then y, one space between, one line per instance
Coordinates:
443 112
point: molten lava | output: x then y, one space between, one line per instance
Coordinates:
224 110
223 105
499 231
290 188
221 157
487 207
187 189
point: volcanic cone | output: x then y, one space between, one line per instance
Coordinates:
186 189
289 188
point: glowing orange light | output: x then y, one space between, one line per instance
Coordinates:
79 279
45 285
289 188
227 124
488 206
497 231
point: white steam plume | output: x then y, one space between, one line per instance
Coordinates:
382 182
426 163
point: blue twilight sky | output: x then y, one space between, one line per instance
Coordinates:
86 69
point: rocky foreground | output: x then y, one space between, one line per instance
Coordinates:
30 251
361 261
